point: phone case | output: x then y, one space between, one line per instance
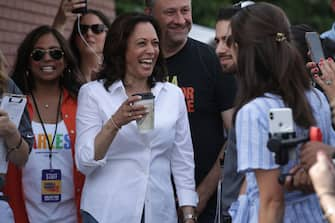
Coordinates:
280 121
314 45
81 10
281 125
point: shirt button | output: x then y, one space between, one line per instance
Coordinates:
66 115
72 131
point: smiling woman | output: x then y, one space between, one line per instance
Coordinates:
129 171
47 73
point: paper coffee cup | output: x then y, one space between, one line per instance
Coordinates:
146 123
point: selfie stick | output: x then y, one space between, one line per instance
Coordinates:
281 145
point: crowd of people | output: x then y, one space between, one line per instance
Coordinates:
78 154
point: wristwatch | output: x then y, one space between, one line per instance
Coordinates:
189 217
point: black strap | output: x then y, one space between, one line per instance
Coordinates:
42 123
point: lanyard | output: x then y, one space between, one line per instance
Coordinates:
50 145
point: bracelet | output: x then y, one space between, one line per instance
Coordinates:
14 148
189 217
114 124
329 212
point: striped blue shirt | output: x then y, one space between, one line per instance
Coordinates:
252 134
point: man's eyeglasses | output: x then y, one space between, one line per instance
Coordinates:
96 28
38 54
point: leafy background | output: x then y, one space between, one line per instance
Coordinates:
316 13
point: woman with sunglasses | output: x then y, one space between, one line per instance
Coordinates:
87 38
17 141
46 71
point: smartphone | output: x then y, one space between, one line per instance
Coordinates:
314 44
281 125
81 10
280 121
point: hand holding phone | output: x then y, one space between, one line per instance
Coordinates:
80 7
314 44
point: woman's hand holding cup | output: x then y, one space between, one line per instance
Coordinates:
129 111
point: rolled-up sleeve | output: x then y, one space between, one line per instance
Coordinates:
183 159
88 123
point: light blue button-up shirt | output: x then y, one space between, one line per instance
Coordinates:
329 33
252 134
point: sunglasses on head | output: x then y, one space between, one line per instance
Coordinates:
38 54
95 28
243 4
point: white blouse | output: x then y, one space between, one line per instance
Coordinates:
136 171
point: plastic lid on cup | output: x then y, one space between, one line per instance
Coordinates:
147 95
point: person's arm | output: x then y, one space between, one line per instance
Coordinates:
121 117
227 117
327 202
182 161
209 184
299 180
65 12
17 147
94 135
188 214
327 80
271 196
309 151
322 174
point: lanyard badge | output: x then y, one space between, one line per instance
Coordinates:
51 185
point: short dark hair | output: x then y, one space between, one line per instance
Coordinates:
105 20
114 64
226 13
71 79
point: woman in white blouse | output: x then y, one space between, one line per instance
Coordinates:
128 173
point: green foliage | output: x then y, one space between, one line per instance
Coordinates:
316 13
129 6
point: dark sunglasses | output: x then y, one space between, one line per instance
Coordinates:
38 54
96 28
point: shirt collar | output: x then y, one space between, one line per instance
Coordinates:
118 86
